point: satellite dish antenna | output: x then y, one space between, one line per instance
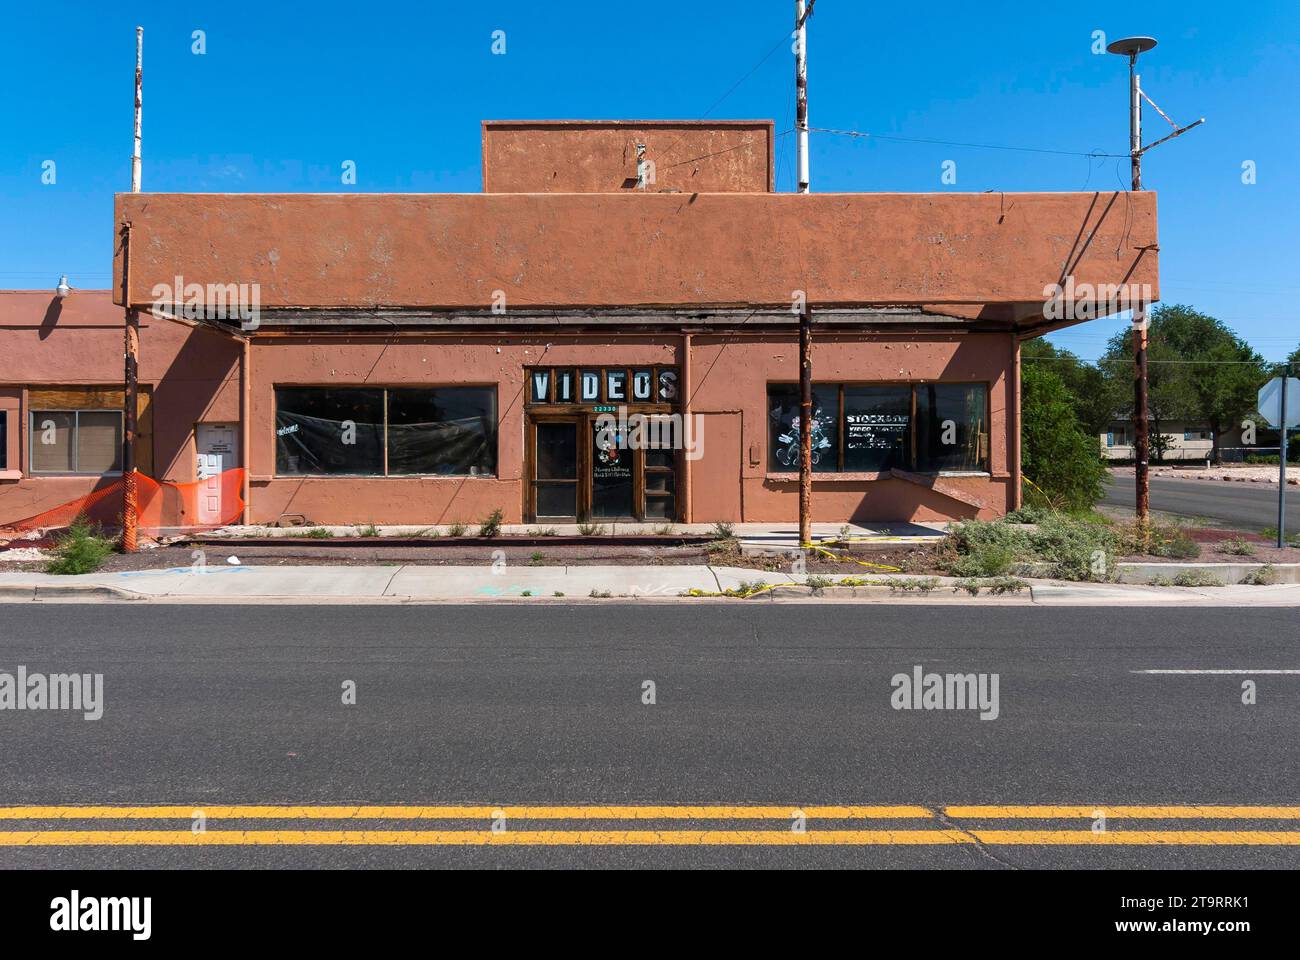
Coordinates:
1131 46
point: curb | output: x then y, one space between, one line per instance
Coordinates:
1230 573
67 591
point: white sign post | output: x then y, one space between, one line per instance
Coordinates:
1274 408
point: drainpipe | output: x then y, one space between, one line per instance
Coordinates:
687 423
1014 423
246 427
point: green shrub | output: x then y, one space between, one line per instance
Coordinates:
536 558
818 583
320 533
1175 544
1069 547
1237 547
1027 514
81 550
1076 549
491 525
457 530
983 548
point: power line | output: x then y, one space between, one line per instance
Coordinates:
956 143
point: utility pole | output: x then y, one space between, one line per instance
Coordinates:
1130 47
131 387
805 314
801 89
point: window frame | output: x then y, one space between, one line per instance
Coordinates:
385 389
914 465
76 452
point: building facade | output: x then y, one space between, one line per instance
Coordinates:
607 332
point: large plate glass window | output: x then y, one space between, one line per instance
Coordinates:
447 431
375 432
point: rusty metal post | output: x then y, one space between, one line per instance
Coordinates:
130 406
131 344
805 426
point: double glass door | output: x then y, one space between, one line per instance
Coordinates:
581 471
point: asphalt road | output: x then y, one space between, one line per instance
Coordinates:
784 704
1250 506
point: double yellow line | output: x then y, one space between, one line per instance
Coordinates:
502 828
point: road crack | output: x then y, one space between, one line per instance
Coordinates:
988 854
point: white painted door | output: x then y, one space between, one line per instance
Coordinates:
217 450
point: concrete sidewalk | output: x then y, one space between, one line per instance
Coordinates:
519 583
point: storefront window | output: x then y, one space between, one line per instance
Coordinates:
952 427
877 428
76 441
869 428
444 431
354 431
783 427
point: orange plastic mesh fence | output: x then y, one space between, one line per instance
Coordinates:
212 502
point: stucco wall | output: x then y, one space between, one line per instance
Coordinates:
193 376
454 251
582 156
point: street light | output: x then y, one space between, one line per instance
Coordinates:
63 289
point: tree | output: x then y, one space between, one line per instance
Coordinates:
1092 402
1198 370
1056 453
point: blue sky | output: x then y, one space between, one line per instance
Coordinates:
286 92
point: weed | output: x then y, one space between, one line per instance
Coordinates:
536 558
724 530
1197 578
544 532
908 584
600 594
664 530
1261 576
558 593
591 529
457 530
369 530
819 583
83 549
491 525
1160 580
320 533
994 585
526 593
